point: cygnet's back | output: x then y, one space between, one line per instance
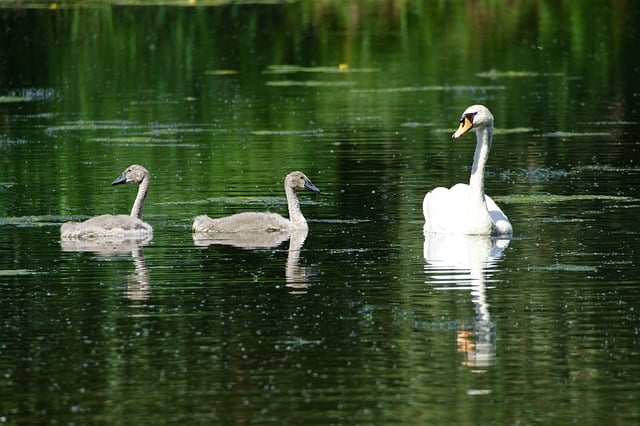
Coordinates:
263 221
121 226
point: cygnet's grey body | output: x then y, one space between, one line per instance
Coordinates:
120 226
259 221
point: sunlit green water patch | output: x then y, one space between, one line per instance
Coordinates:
30 221
516 74
534 175
607 168
53 5
127 140
27 95
12 99
310 83
82 125
496 131
415 124
614 123
313 132
12 141
16 272
236 200
543 174
132 133
555 198
411 89
568 135
143 141
222 72
339 69
557 219
126 126
565 267
513 130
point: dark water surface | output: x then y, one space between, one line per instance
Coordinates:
362 321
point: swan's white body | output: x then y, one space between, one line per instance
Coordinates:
117 227
258 221
466 209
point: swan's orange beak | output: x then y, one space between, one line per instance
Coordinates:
465 126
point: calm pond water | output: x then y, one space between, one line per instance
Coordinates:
361 321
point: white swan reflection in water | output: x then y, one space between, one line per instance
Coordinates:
138 284
463 262
296 275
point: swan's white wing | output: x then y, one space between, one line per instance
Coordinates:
501 223
445 210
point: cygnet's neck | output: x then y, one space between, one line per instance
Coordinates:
296 218
143 188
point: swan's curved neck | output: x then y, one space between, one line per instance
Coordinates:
295 214
483 145
143 188
479 219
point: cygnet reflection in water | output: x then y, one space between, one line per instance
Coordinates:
245 240
115 227
296 275
262 221
138 284
106 247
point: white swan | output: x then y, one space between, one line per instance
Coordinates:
465 209
117 227
262 222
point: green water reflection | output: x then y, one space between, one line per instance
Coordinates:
351 325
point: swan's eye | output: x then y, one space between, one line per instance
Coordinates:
469 116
